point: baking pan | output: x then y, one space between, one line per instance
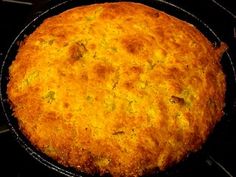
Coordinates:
228 64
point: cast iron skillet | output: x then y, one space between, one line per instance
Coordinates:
227 63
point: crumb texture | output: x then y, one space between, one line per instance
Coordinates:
117 88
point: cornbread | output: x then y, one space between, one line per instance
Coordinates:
118 88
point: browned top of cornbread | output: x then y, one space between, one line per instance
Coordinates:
117 88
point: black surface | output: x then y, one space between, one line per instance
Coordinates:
216 158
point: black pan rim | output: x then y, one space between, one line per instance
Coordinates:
25 144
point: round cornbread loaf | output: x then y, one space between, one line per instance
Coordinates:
118 88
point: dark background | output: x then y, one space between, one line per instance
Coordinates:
216 160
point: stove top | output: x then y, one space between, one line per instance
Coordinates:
216 161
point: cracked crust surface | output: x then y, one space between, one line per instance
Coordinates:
117 88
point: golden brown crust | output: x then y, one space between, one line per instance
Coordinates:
117 88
